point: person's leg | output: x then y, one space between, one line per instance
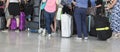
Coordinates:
78 21
53 25
84 26
17 20
47 17
8 21
52 16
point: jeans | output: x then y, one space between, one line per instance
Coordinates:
80 20
49 19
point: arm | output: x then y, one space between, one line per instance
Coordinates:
112 4
99 3
19 0
57 2
7 3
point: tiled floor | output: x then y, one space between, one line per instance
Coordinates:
33 42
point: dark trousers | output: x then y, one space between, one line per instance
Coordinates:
49 19
80 20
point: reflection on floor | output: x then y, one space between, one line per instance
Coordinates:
33 42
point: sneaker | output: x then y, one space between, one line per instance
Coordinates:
49 35
29 19
85 38
115 36
53 33
17 31
79 38
44 32
5 30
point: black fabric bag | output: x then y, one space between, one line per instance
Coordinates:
102 26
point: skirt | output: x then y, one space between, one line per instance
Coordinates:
14 9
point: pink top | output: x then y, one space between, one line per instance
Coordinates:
50 6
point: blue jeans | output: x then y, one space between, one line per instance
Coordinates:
80 20
49 19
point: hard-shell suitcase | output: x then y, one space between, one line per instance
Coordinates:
36 27
66 25
2 23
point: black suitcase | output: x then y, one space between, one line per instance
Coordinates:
35 25
2 23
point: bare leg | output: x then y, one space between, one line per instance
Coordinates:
53 26
17 20
8 21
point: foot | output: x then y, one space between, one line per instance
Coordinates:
79 38
44 32
29 19
49 35
5 30
53 33
17 30
85 38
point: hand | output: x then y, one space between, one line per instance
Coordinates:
43 0
60 5
74 3
107 8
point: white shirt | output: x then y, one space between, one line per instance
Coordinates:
15 1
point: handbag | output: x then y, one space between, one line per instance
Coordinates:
59 12
91 11
43 5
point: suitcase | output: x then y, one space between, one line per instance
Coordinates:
102 28
36 6
91 26
13 25
2 23
22 21
66 25
35 25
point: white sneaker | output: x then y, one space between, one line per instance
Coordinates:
79 38
53 33
85 38
49 35
5 30
17 30
44 32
